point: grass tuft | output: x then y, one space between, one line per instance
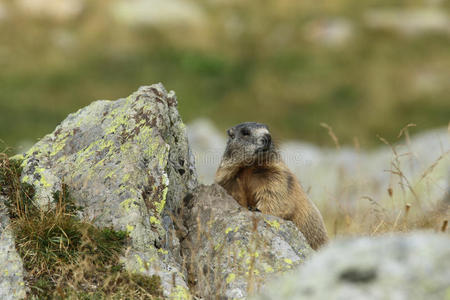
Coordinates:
65 257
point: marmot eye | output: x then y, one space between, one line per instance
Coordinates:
230 133
245 131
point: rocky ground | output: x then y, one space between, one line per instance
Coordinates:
129 165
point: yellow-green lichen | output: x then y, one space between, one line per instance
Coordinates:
273 223
152 147
89 152
128 204
142 265
254 271
230 278
118 120
111 173
268 269
228 230
160 205
180 293
130 228
43 181
242 252
154 220
288 261
58 146
163 251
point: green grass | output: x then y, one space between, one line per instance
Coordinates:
65 257
365 88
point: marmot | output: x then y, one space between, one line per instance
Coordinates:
253 173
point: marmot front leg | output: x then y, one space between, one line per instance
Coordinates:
238 192
269 201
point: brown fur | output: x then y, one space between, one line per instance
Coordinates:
271 188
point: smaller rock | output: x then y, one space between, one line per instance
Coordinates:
402 266
12 285
232 251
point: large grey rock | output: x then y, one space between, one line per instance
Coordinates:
128 163
402 266
231 251
12 285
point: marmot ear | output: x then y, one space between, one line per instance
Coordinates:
230 133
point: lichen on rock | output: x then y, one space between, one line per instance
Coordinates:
395 266
231 251
128 164
12 285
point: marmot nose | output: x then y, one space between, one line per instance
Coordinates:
267 140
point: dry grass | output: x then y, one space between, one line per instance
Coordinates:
404 208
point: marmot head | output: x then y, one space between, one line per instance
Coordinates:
250 143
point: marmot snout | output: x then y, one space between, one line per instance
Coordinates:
252 171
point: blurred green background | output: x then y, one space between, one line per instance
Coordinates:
363 67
